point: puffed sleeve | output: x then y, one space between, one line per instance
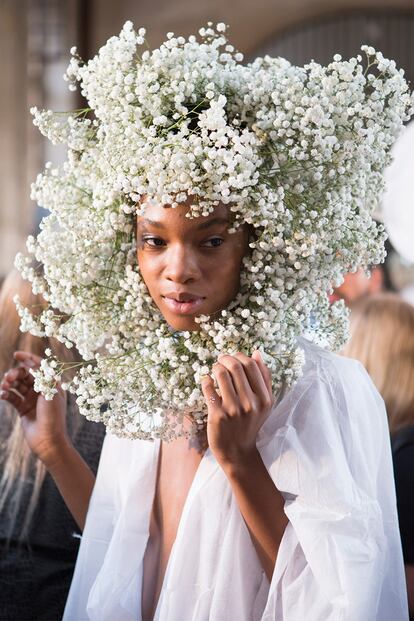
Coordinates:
340 557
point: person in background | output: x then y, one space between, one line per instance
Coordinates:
39 539
382 338
358 284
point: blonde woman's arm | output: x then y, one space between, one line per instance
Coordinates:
44 427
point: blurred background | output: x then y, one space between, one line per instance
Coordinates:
36 35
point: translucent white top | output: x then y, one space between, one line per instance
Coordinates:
326 446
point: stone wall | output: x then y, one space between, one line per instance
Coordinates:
251 23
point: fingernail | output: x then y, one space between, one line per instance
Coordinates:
29 363
3 394
204 377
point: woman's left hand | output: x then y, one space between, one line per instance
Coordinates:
235 417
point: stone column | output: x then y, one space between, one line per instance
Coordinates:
15 213
35 37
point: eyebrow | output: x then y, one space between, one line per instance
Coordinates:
203 225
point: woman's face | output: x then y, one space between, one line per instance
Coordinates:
191 266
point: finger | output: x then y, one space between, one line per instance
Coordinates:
19 378
239 380
27 358
254 375
209 392
267 376
12 398
22 403
230 400
22 387
18 374
17 392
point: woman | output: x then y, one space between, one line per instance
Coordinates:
200 218
382 338
37 534
181 265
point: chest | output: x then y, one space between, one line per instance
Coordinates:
176 472
177 467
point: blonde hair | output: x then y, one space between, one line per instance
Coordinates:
382 338
20 468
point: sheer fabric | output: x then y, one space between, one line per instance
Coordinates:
326 446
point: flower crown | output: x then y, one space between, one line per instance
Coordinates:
296 152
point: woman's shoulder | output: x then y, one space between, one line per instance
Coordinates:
331 427
333 396
324 365
331 378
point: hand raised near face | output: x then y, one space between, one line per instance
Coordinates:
235 417
43 422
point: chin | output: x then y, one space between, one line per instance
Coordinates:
186 323
182 324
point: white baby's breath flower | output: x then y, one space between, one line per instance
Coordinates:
295 152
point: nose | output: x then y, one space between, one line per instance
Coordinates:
182 265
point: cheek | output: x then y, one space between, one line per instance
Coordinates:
147 269
239 250
139 259
230 268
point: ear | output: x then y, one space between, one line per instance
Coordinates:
376 282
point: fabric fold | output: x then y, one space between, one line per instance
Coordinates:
326 447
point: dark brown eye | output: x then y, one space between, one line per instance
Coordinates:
214 242
153 242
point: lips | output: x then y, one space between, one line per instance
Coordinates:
183 303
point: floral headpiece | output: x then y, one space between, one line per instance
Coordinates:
296 152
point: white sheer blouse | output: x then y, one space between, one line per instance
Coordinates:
326 446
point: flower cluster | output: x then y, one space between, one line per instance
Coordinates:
296 152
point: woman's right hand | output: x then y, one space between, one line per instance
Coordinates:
43 422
